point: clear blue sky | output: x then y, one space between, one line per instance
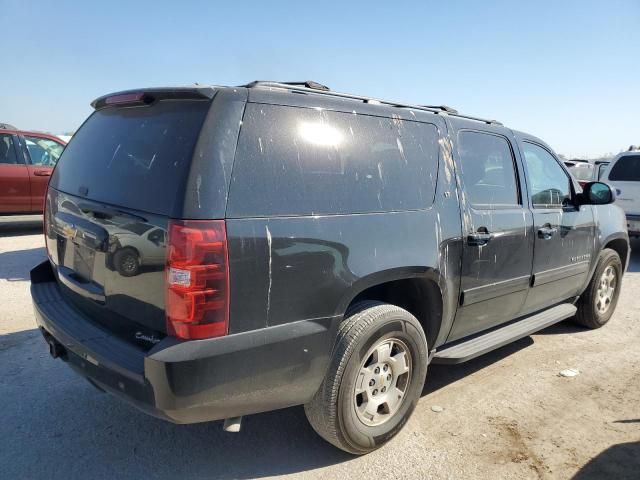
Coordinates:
567 71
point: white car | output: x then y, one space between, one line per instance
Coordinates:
624 175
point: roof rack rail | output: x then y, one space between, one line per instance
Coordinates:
301 87
444 108
306 83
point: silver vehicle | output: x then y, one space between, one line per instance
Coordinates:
582 170
623 175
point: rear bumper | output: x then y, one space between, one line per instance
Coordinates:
189 381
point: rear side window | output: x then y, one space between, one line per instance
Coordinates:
487 170
136 157
296 161
626 169
7 152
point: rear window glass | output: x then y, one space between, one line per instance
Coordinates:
136 157
626 169
487 170
296 161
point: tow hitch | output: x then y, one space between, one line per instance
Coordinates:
56 350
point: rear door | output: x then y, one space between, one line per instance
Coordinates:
15 191
108 206
564 233
43 154
497 243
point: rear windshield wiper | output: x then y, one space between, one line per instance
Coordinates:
108 213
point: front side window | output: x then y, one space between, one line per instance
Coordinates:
43 151
7 152
549 184
487 170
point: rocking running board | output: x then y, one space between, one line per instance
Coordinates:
463 351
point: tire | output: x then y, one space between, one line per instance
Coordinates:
369 333
127 262
590 312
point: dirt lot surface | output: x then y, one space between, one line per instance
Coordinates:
505 415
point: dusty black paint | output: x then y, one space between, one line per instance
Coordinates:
294 276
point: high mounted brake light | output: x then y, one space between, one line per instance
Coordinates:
148 96
128 98
197 279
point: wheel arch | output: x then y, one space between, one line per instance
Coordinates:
620 244
416 289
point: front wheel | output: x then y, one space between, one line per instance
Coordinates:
127 262
374 380
598 302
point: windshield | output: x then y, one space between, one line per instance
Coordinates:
136 157
582 171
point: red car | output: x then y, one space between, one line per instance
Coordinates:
26 162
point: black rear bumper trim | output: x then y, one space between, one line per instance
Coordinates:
191 381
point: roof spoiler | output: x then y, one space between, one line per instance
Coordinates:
146 96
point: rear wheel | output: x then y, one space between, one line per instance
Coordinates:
598 302
374 380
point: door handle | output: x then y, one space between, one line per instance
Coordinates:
546 232
42 173
479 238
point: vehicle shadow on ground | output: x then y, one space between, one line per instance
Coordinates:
615 462
23 225
439 376
56 425
16 264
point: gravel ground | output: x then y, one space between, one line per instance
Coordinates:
507 414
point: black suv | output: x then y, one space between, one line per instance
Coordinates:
215 252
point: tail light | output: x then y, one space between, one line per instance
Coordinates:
45 221
197 279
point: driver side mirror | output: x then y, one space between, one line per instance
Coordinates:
597 193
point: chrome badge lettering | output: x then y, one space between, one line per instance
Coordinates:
581 258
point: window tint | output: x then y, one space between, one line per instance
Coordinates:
135 157
7 152
487 170
549 184
626 169
296 161
43 151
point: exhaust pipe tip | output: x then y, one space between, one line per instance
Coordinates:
232 425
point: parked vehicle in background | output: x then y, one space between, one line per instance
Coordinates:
582 170
308 247
624 175
26 163
600 168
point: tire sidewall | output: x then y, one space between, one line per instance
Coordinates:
607 260
364 437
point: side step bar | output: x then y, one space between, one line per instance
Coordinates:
461 352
